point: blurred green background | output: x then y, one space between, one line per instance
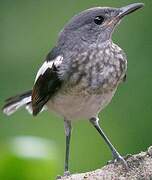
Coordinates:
28 30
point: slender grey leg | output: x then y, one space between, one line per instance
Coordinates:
115 154
67 125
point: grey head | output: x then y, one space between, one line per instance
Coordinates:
93 25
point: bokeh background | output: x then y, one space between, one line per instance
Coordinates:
33 148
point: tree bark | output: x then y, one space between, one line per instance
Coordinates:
140 168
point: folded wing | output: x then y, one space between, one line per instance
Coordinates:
47 82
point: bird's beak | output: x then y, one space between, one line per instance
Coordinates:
129 9
123 11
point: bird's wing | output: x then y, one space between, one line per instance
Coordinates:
47 81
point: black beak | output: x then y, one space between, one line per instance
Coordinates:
129 9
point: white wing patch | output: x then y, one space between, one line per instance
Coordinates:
57 61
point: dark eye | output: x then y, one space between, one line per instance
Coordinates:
99 20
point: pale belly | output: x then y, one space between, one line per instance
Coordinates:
73 107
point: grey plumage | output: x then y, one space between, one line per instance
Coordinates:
82 72
94 76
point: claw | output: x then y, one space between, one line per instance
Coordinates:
58 177
124 163
118 158
66 173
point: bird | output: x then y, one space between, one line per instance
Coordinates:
81 74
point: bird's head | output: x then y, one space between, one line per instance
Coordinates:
95 24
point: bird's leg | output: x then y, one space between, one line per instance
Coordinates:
115 154
67 125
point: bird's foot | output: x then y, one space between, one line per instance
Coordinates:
118 158
58 177
66 173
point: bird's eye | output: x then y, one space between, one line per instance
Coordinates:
99 20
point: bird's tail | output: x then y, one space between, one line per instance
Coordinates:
12 104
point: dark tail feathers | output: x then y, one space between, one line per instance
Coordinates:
12 104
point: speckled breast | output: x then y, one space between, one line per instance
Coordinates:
98 70
92 80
